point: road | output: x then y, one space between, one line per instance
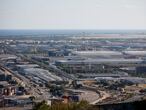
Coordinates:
104 95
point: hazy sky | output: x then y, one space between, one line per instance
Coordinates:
72 14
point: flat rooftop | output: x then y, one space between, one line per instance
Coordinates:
7 56
97 53
100 61
135 52
27 66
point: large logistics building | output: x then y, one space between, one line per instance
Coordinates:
99 61
94 65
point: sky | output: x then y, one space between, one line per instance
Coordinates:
72 14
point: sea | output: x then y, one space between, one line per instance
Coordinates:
72 32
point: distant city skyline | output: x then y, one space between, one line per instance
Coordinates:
72 14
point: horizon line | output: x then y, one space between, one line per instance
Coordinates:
74 29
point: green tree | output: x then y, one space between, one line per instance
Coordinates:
41 106
82 105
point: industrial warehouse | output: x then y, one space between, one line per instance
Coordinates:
71 71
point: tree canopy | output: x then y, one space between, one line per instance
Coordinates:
82 105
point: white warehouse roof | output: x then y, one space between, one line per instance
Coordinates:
97 53
100 61
42 73
141 53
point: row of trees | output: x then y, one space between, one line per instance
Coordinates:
82 105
